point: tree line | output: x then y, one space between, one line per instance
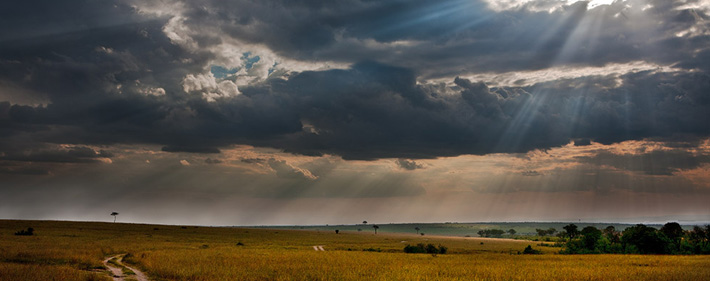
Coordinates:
638 239
495 232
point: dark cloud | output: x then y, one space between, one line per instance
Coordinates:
588 178
407 164
531 173
377 111
253 160
112 75
190 149
357 79
582 142
213 161
444 38
32 171
71 155
657 162
286 170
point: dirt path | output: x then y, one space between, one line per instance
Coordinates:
117 272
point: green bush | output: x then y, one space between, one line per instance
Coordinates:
421 249
530 251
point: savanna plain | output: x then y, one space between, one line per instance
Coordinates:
61 250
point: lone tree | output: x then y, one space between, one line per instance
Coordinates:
364 222
512 231
376 228
417 229
114 214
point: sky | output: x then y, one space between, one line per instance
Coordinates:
272 112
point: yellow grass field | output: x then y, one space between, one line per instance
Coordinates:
75 250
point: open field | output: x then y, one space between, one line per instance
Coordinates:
75 251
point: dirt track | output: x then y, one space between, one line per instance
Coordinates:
117 272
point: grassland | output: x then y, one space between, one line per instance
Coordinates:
74 251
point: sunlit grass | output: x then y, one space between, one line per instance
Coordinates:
74 251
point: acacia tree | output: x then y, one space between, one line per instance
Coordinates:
376 228
512 231
417 229
114 214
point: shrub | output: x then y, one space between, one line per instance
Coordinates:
28 232
530 251
421 248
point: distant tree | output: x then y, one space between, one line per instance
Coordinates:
611 234
417 229
541 232
590 236
641 239
114 214
376 228
645 240
698 241
512 231
551 231
672 230
698 234
491 232
571 231
364 222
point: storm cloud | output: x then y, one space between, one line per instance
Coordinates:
132 78
352 99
